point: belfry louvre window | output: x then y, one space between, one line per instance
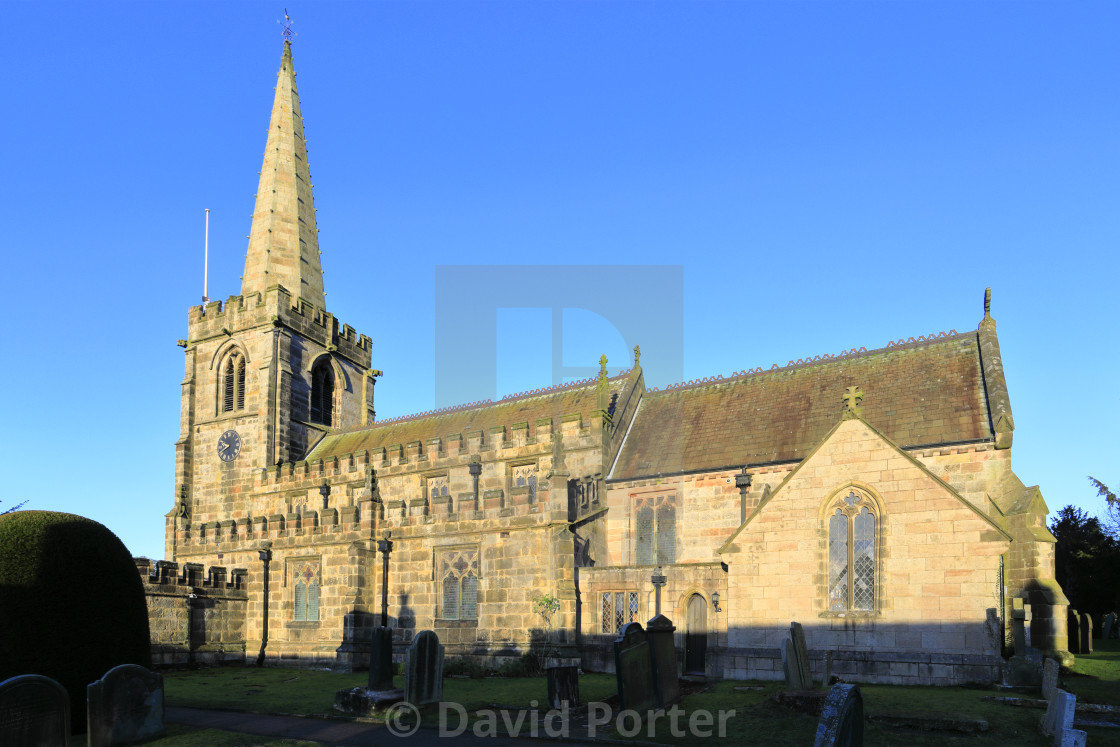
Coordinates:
322 393
619 608
306 587
233 382
852 554
655 536
458 580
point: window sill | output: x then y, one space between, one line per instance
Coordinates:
302 624
851 614
441 623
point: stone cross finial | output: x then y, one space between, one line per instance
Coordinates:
637 355
987 303
603 367
658 580
853 396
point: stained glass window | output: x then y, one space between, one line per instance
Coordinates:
851 555
306 592
655 536
458 572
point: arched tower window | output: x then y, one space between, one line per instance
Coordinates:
852 554
232 384
322 392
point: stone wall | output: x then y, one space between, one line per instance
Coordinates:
196 615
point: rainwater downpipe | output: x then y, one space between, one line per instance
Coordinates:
266 557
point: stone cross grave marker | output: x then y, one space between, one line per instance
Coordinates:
1109 625
34 710
841 721
125 706
634 670
795 659
663 654
423 670
1073 625
1086 633
1059 715
1049 678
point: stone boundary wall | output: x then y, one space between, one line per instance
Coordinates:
194 618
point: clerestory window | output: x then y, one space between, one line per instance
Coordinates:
852 554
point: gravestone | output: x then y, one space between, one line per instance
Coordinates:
841 721
34 710
1073 625
1073 738
562 675
1049 678
1109 624
1086 634
1059 715
795 659
633 666
124 706
663 654
423 669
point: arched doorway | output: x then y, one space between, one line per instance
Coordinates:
696 635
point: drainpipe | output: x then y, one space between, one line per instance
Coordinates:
266 557
475 468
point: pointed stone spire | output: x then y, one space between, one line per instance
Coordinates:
284 242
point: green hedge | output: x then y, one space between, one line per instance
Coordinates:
72 605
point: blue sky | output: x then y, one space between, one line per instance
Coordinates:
825 176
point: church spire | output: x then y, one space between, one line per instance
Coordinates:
284 242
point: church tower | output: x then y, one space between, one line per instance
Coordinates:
268 372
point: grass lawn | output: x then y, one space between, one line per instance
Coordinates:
757 719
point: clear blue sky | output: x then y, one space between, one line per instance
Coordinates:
827 175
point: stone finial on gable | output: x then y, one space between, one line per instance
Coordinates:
853 397
987 321
637 355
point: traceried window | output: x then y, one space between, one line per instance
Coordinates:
232 383
619 608
322 392
525 476
306 592
655 536
458 580
852 554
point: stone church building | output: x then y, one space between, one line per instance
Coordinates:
868 495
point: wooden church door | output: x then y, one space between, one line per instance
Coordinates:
696 635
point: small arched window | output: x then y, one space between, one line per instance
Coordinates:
322 392
852 554
232 385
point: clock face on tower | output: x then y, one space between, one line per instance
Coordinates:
229 446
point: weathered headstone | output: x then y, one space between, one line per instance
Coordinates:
795 659
124 706
1059 715
1049 678
423 670
663 654
34 710
841 721
634 670
1086 633
1073 624
1109 624
1073 738
1019 625
562 675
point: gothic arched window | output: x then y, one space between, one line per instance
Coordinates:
231 387
458 575
306 589
322 392
852 554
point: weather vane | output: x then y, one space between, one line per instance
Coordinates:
287 22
